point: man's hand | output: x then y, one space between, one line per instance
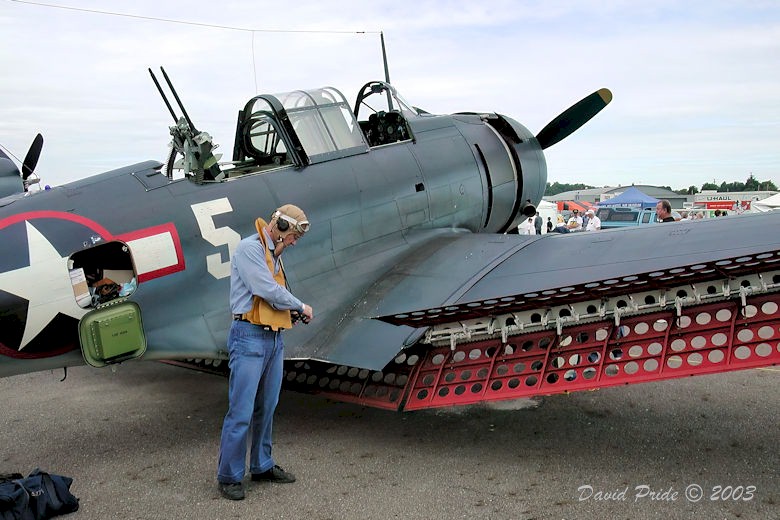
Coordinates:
308 313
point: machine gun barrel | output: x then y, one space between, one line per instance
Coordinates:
195 147
165 99
176 96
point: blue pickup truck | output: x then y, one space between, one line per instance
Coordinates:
625 217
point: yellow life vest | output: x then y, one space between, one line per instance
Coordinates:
262 313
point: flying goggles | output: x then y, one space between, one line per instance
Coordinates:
299 227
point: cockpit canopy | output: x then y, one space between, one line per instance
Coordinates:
310 126
303 126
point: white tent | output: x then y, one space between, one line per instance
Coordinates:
768 204
547 209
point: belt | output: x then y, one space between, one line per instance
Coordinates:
240 317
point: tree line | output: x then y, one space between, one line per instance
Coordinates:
751 184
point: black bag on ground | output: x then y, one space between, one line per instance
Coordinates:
37 497
14 501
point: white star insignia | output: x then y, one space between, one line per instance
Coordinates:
45 283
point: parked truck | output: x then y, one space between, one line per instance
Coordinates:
625 217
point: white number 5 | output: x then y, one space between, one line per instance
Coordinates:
204 212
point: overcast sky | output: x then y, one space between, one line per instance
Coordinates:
696 84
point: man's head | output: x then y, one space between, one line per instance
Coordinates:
590 213
576 212
288 224
663 209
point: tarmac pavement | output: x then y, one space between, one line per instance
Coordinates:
141 443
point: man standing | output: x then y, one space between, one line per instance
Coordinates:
594 223
664 211
538 223
261 305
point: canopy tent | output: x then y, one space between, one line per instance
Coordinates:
767 204
631 198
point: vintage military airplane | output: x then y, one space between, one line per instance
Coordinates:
421 298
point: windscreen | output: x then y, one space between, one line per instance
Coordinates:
323 122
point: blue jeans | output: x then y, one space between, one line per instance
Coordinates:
256 364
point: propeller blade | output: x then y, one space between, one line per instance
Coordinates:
31 159
573 117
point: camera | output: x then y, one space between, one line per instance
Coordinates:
297 316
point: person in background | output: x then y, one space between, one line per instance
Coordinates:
526 227
575 222
594 223
664 211
549 225
561 226
538 223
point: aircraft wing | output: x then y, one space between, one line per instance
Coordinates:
444 277
425 268
575 260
